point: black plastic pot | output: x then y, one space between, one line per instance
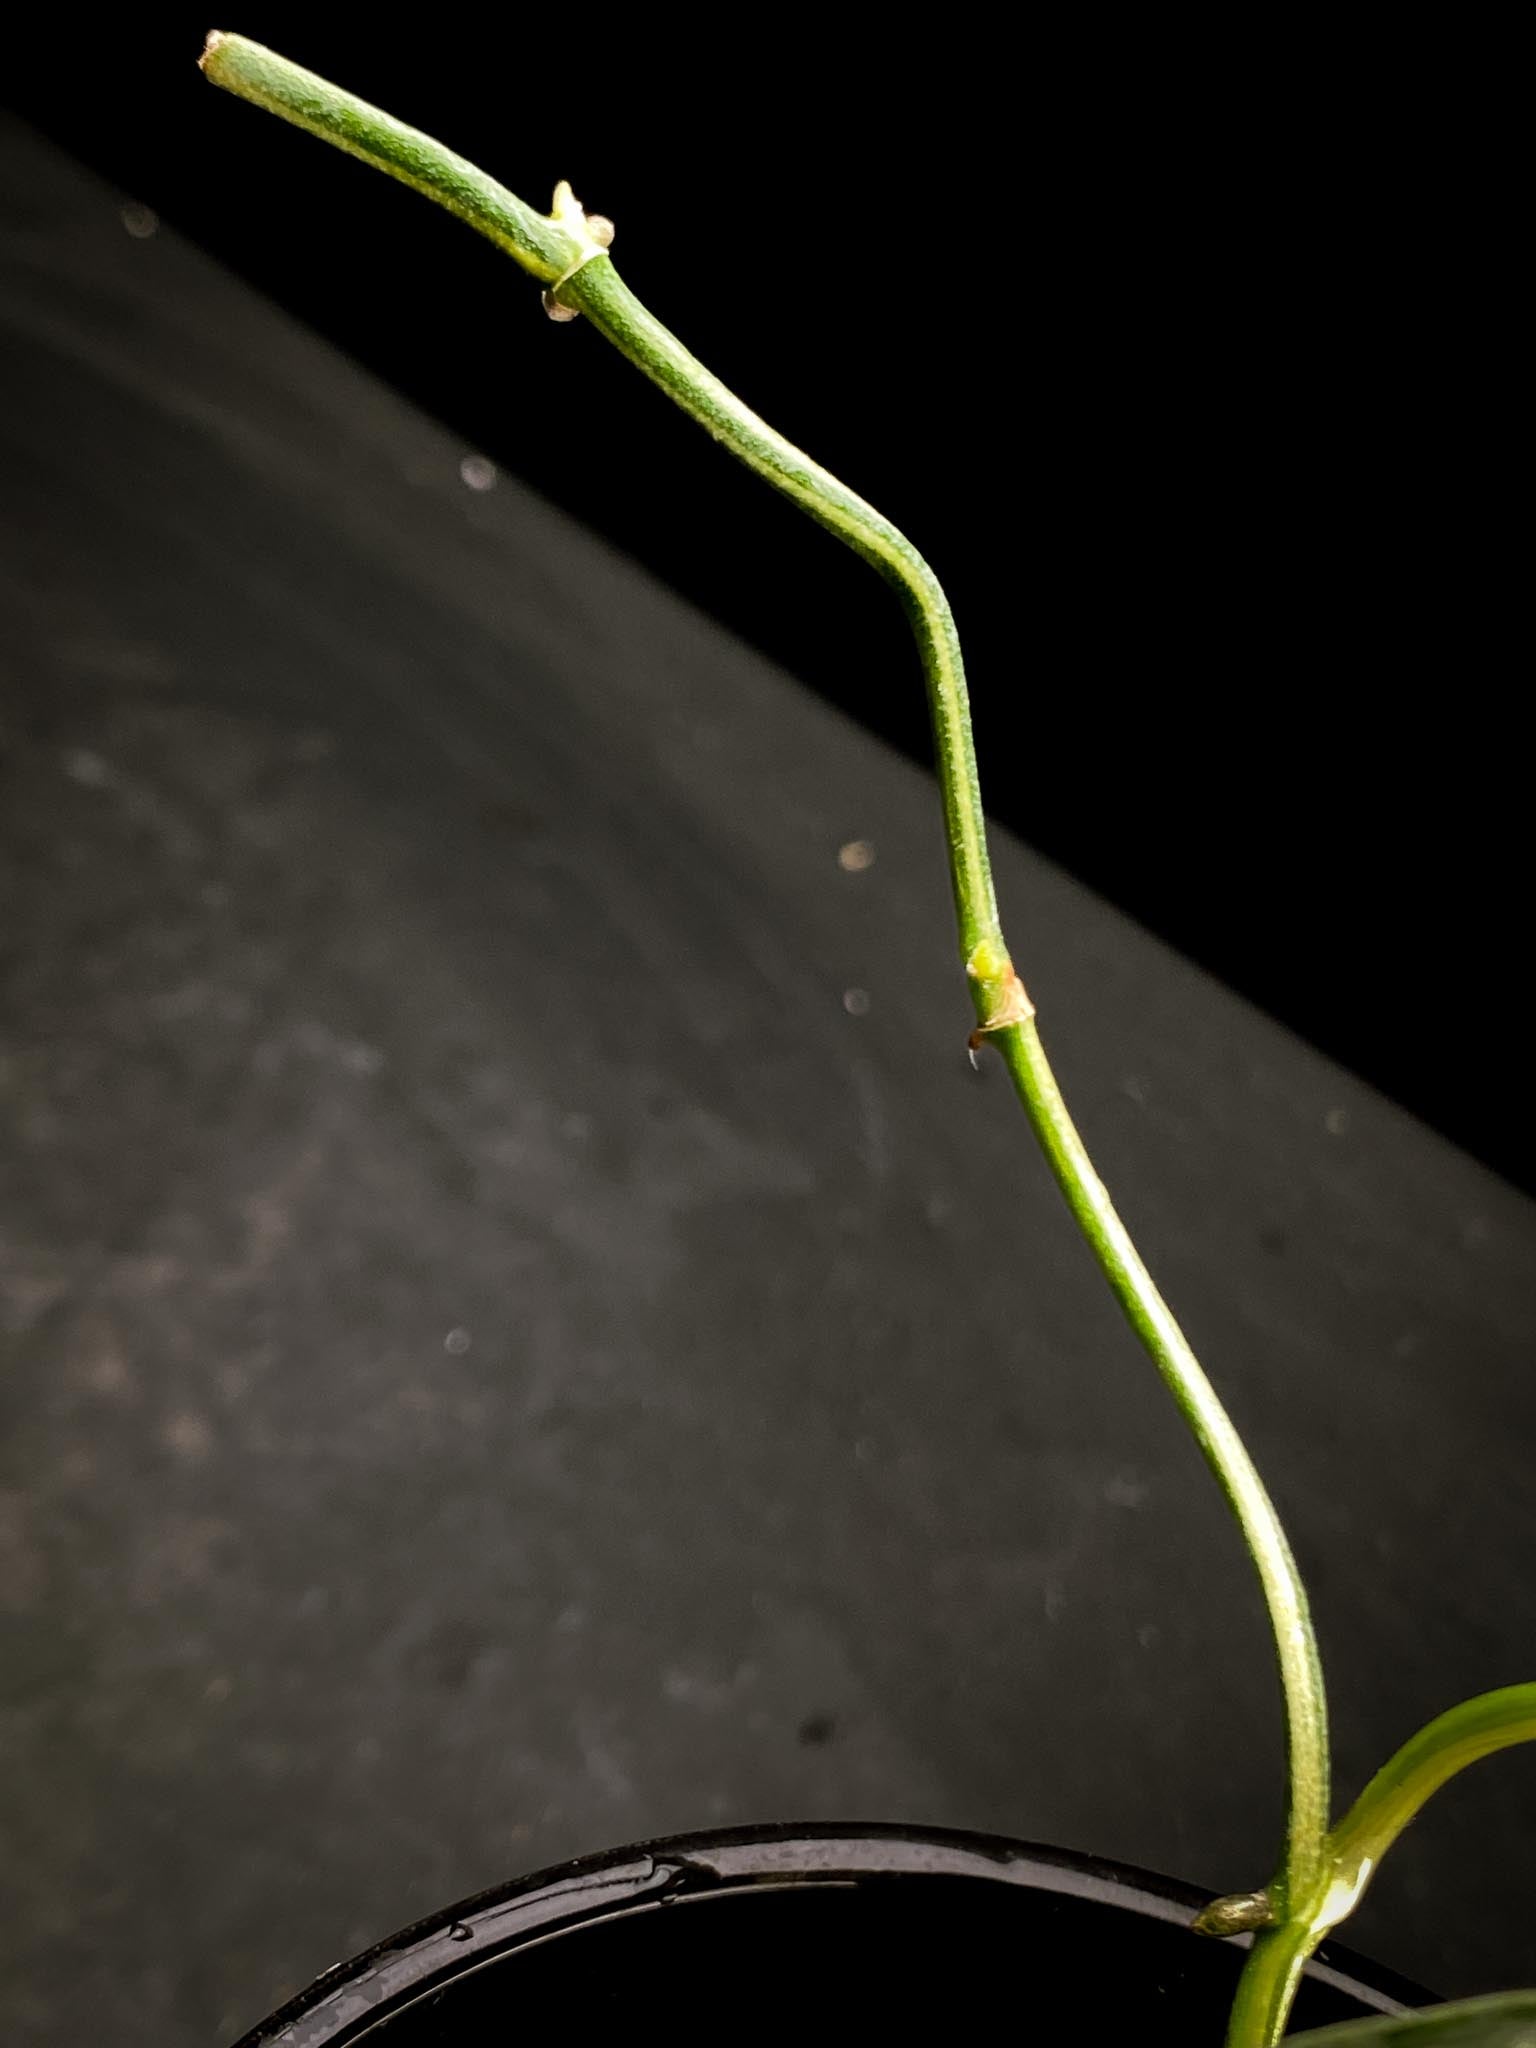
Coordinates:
887 1928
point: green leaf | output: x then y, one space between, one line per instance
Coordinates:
1477 1728
1507 2020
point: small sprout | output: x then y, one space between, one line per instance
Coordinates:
565 207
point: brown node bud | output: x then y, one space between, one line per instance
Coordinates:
1237 1913
1014 1007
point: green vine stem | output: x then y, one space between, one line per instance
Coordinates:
1477 1728
567 252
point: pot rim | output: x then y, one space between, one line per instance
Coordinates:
719 1861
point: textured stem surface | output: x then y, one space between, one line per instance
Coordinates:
561 252
1477 1728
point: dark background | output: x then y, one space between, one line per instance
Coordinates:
499 1355
1183 356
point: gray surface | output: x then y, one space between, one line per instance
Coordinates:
416 922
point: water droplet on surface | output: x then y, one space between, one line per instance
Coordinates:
1336 1122
478 472
1123 1491
857 855
86 768
140 221
457 1342
856 1001
459 1932
188 1435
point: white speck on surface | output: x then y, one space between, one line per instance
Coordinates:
1336 1122
874 1126
856 1001
86 768
176 1005
218 1688
478 472
1134 1087
1125 1492
1148 1635
603 1766
313 745
109 1372
189 1436
855 856
457 1342
140 221
697 1689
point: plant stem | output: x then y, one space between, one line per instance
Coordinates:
1352 1854
561 251
1271 1977
1213 1429
1477 1728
